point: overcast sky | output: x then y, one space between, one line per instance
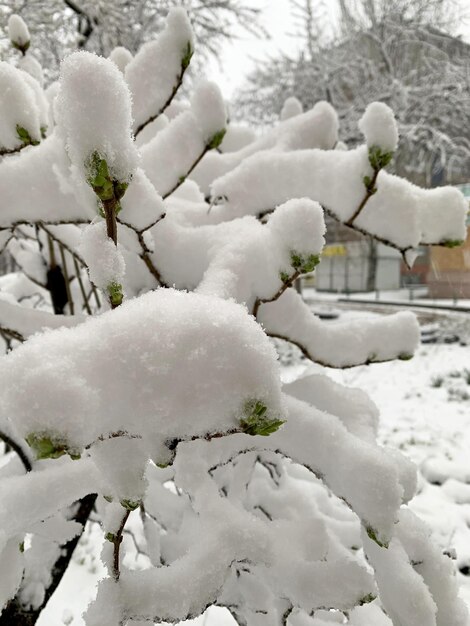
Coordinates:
238 58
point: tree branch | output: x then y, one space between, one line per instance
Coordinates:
18 449
285 285
170 99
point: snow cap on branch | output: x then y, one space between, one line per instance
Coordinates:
105 263
292 107
94 115
379 127
157 68
19 112
163 366
18 33
32 66
121 57
208 106
300 226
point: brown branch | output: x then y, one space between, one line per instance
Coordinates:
285 285
117 540
5 151
386 242
370 190
169 100
67 279
70 250
312 358
14 334
82 287
18 449
183 178
145 254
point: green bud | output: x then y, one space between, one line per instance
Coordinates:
372 534
22 47
369 185
451 243
43 130
256 422
130 505
304 263
216 139
405 356
188 53
115 293
370 597
108 498
379 159
110 537
284 276
21 547
25 137
47 447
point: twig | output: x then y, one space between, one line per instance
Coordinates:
14 334
183 178
285 285
18 449
117 540
370 190
82 287
169 100
67 279
145 254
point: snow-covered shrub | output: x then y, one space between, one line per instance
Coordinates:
156 400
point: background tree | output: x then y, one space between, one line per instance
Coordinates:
60 26
400 52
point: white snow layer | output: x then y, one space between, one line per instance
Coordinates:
121 57
154 72
165 365
18 30
94 115
103 258
18 107
291 107
335 179
342 344
379 127
317 128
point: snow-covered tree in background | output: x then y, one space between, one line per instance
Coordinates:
400 52
164 413
60 26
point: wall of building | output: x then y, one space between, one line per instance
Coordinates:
449 272
345 267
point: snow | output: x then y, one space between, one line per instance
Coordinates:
121 57
99 362
94 115
379 127
32 66
18 107
106 265
291 107
265 180
208 106
151 82
242 258
317 128
18 31
341 344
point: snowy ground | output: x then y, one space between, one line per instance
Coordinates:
425 412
